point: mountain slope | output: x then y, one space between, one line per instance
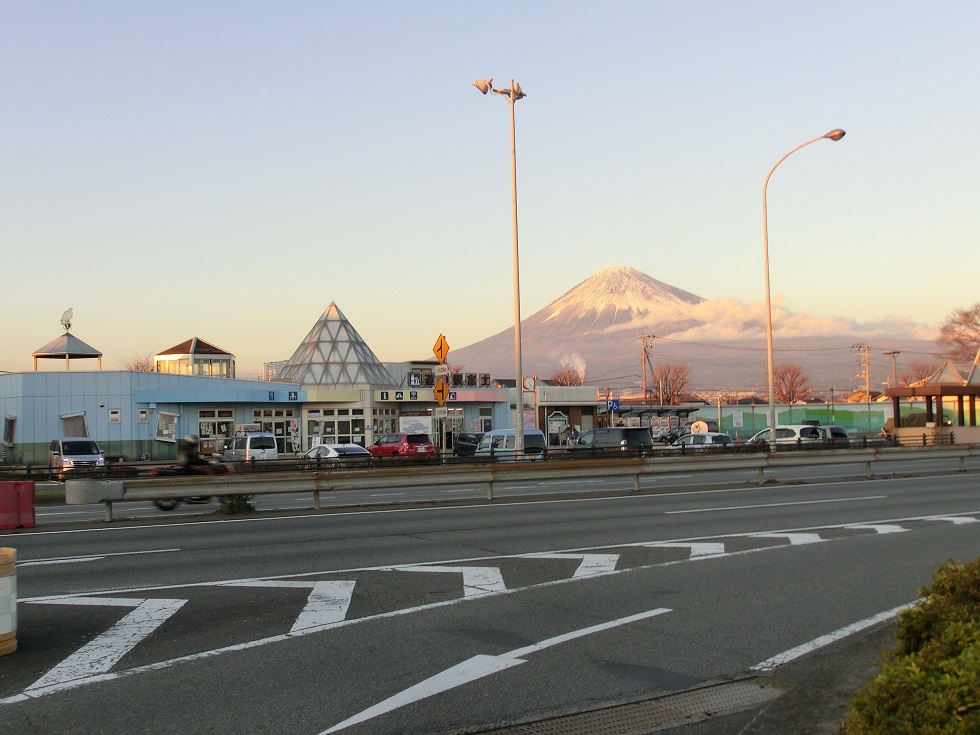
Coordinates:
594 329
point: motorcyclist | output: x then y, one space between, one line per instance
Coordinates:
189 455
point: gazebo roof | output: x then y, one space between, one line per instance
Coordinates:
194 346
67 347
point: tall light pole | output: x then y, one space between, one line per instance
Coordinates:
513 94
832 135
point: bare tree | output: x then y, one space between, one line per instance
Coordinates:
565 377
959 335
140 363
915 372
792 383
670 382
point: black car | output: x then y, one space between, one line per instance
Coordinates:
465 443
628 438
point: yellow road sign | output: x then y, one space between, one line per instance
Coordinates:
441 391
440 349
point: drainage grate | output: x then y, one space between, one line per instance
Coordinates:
654 715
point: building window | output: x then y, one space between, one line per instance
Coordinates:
166 426
8 429
114 416
73 424
144 416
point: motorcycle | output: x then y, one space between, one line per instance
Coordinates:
210 468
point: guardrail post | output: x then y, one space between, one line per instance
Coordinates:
490 490
636 482
316 498
108 511
868 474
762 479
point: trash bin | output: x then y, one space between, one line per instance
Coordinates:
8 601
17 505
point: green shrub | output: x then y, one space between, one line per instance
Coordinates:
930 685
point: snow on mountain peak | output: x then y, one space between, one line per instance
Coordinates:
617 294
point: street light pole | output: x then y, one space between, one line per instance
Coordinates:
832 135
513 94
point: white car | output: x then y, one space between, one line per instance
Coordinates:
704 441
328 453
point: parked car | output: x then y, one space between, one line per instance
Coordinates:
465 443
628 438
403 445
251 446
333 454
702 442
499 444
804 434
73 453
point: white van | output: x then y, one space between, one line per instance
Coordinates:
75 452
251 446
499 444
800 434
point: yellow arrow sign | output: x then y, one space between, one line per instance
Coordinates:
441 391
440 349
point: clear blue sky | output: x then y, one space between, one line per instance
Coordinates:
227 169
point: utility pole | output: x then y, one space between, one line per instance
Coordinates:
893 354
645 361
865 361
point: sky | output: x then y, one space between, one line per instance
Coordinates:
226 170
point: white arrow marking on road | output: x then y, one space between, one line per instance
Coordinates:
795 539
327 603
697 550
880 528
477 581
479 667
591 563
102 653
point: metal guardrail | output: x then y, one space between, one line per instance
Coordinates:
107 492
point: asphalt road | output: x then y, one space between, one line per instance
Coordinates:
466 618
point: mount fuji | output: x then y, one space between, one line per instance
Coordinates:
596 330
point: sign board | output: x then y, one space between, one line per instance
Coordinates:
440 349
440 413
612 404
442 369
441 391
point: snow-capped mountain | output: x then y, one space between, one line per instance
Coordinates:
595 329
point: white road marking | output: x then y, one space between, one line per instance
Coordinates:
479 667
958 520
880 528
697 549
795 539
591 563
102 653
825 640
477 581
92 557
327 604
328 601
775 505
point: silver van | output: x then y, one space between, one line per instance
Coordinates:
499 444
252 446
805 434
75 452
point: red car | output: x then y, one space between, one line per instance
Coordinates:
403 445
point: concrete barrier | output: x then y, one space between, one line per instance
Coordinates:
8 601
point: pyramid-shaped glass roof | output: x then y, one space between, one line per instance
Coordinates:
333 355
